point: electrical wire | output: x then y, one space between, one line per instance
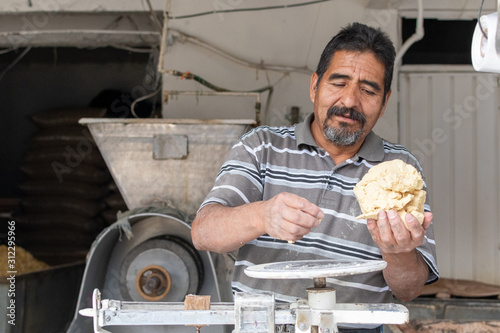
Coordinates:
19 57
131 49
4 51
234 10
259 66
154 17
155 77
269 88
277 68
140 99
479 19
199 79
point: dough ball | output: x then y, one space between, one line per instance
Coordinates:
391 185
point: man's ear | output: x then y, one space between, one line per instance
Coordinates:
312 88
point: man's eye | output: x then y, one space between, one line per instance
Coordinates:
369 92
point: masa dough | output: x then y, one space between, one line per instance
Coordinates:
391 185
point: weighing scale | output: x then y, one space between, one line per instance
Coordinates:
258 312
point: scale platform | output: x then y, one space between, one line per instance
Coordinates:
311 269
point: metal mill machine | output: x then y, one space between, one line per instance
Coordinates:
163 169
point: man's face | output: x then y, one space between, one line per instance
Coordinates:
349 99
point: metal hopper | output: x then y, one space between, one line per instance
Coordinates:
160 162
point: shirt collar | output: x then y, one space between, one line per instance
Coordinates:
372 148
303 132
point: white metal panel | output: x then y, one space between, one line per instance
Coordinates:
450 121
443 9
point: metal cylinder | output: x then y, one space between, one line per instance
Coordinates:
322 298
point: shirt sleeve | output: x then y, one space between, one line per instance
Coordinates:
238 181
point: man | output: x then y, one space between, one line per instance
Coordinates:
295 184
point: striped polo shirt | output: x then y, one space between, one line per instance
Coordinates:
270 160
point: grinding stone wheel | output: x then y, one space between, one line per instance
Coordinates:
160 269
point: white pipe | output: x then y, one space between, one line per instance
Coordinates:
418 35
497 41
80 31
31 33
213 93
164 37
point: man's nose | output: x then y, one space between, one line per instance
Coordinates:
350 97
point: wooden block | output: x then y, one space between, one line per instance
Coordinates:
197 302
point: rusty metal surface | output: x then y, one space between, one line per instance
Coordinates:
445 288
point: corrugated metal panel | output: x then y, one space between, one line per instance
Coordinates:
450 121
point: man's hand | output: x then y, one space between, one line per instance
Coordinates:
406 271
289 217
286 216
392 236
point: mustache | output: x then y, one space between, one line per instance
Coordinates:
349 112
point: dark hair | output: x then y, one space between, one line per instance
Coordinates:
361 38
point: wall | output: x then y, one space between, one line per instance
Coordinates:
452 125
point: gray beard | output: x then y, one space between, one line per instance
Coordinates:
341 136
